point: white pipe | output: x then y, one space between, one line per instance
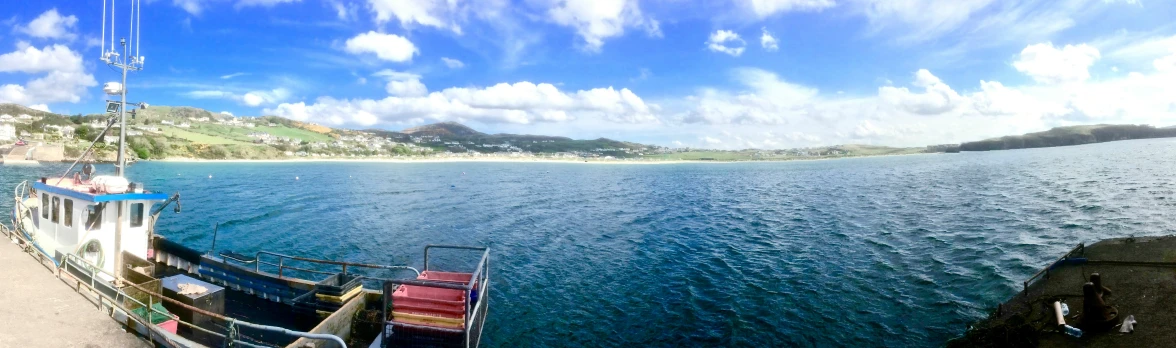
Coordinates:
138 26
102 37
112 25
1057 305
131 33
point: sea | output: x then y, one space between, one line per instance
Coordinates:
901 251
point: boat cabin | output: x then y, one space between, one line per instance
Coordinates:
73 216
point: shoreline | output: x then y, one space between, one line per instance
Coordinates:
503 160
425 160
480 160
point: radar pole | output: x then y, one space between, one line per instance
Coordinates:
127 63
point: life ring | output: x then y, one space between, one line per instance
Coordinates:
91 251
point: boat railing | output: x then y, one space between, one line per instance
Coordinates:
475 297
18 192
115 301
282 265
1044 272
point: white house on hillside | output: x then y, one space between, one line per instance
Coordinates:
7 132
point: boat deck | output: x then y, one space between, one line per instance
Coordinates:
39 310
1140 272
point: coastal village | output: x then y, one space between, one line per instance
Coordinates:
184 132
163 132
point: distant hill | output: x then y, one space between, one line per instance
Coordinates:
443 129
16 110
456 137
176 112
1073 135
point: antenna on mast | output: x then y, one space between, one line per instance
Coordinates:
130 56
128 60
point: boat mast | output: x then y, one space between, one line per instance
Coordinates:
120 168
127 63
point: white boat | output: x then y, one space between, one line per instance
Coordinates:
98 233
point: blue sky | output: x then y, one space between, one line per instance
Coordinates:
719 74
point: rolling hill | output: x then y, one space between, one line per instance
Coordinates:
1073 135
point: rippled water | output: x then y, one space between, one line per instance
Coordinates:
896 251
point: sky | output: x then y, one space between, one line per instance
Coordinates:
723 74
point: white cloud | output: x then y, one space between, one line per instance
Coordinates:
517 103
262 3
402 84
937 97
766 8
1166 64
598 20
1047 64
193 7
711 141
994 99
51 25
918 20
866 129
452 63
726 41
768 100
389 47
345 11
226 113
768 42
429 13
258 98
406 88
41 107
66 79
642 75
29 59
233 75
252 98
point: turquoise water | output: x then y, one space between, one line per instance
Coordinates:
895 251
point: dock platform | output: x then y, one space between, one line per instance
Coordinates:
39 310
1140 272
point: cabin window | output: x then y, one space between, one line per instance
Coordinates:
94 218
137 215
44 205
56 209
68 210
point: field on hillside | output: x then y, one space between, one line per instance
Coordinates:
294 133
202 133
200 138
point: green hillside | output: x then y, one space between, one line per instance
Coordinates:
1067 136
